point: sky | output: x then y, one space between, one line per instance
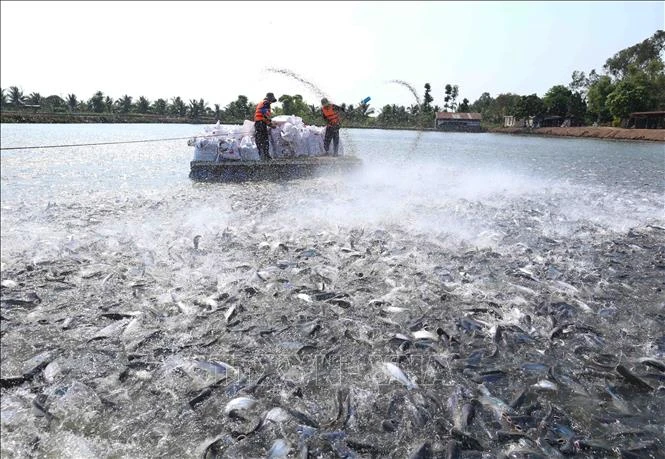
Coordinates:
346 50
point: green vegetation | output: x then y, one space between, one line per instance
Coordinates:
632 80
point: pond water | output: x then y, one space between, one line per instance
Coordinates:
461 295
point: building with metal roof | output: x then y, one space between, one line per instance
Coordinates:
455 121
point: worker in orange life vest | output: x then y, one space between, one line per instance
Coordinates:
263 121
330 113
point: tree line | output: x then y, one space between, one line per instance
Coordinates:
631 80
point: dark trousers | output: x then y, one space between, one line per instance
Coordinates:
332 133
261 137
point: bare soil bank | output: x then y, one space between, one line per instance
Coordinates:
655 135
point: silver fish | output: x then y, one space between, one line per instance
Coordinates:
618 401
228 315
499 407
425 334
277 415
303 296
239 403
8 283
464 416
545 384
394 372
280 449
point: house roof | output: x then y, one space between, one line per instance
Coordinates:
458 116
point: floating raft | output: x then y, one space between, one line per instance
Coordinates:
274 169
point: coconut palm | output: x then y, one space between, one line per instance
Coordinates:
287 104
108 103
194 109
204 108
72 102
160 106
125 104
143 105
240 109
402 114
364 110
3 101
96 102
35 99
16 97
178 107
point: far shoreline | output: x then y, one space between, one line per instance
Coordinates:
593 132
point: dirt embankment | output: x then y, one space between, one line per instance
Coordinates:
655 135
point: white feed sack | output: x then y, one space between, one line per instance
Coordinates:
290 138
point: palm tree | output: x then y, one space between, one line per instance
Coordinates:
240 109
16 97
386 116
178 107
3 101
194 109
365 110
125 104
159 106
108 103
96 103
143 105
72 102
287 104
402 115
35 99
203 107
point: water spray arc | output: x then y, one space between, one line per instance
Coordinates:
315 89
409 87
415 96
319 93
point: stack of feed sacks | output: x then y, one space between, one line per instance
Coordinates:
290 138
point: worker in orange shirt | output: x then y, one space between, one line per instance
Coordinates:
263 121
330 113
